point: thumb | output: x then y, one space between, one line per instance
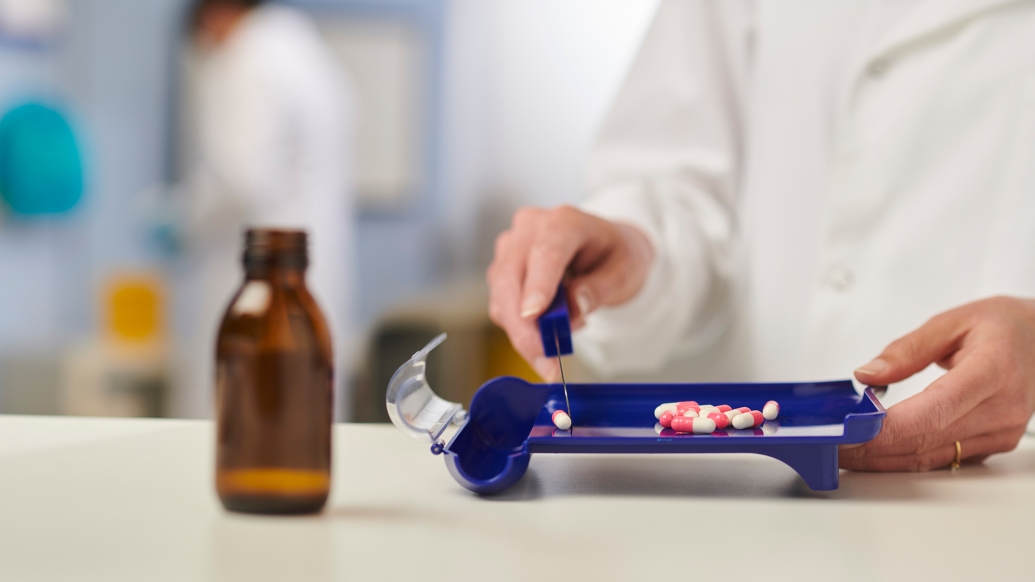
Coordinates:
913 352
618 277
603 286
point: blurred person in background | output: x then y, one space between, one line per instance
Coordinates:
268 145
781 189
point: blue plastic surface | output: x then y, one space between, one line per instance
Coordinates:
555 325
509 421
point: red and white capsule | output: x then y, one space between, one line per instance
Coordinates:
771 410
705 413
730 414
683 407
663 407
719 419
748 420
666 419
694 425
561 420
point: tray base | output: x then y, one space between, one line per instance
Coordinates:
510 420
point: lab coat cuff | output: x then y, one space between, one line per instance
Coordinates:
612 340
624 204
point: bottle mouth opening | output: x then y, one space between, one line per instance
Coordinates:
270 247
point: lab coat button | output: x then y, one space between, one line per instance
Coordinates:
878 67
841 279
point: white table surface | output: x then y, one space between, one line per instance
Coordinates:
104 499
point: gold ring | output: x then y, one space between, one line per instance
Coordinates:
959 453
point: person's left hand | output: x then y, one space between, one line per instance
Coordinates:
984 401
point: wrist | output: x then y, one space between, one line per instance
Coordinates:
640 255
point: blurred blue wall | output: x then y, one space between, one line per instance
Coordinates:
109 75
113 75
516 89
401 253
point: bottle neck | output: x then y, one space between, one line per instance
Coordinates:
278 256
276 275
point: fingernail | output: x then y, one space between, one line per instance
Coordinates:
547 369
532 305
875 367
584 302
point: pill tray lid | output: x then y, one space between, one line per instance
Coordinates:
413 406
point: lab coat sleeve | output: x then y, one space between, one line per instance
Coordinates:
239 174
666 161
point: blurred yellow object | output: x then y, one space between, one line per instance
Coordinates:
123 370
503 359
133 308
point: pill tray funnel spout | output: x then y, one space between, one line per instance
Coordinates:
413 406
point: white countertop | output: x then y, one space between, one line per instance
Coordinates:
112 500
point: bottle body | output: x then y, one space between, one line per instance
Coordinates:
274 385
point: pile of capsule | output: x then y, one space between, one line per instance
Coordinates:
690 417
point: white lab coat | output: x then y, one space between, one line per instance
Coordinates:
818 178
269 147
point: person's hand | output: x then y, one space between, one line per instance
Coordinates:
984 401
606 263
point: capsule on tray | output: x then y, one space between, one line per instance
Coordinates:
561 419
662 408
666 419
748 419
732 413
688 416
695 425
719 419
683 407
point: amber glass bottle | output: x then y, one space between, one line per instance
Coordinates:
274 384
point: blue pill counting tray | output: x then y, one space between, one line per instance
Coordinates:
509 421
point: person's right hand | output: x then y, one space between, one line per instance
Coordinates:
606 263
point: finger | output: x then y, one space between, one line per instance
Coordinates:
529 343
526 340
972 450
942 403
976 447
523 335
505 276
548 369
611 269
913 352
994 413
504 295
555 243
604 286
